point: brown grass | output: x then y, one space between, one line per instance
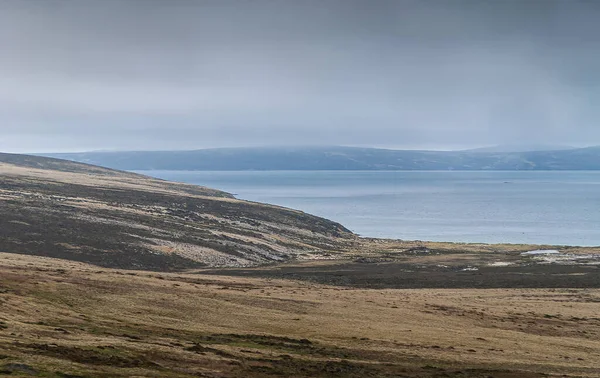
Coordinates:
59 317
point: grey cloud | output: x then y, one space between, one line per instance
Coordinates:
189 74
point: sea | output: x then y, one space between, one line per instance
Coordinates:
533 207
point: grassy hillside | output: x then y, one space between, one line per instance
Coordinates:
57 208
341 158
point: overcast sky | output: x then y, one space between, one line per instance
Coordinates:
167 74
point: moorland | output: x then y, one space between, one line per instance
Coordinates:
109 273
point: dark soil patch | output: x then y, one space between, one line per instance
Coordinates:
413 276
293 367
15 368
95 356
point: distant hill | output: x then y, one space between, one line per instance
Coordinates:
522 148
58 208
339 158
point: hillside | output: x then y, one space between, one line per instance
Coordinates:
337 305
57 208
522 147
340 158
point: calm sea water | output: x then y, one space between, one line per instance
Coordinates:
490 207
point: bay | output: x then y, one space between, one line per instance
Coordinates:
541 207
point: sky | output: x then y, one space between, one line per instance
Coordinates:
79 75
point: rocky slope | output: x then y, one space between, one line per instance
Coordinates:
51 207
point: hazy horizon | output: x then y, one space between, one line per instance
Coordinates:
504 148
183 75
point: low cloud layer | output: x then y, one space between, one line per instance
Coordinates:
181 74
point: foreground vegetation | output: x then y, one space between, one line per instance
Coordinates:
67 319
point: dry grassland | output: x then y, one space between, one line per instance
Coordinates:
67 319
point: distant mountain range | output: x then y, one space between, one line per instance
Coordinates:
339 158
519 147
